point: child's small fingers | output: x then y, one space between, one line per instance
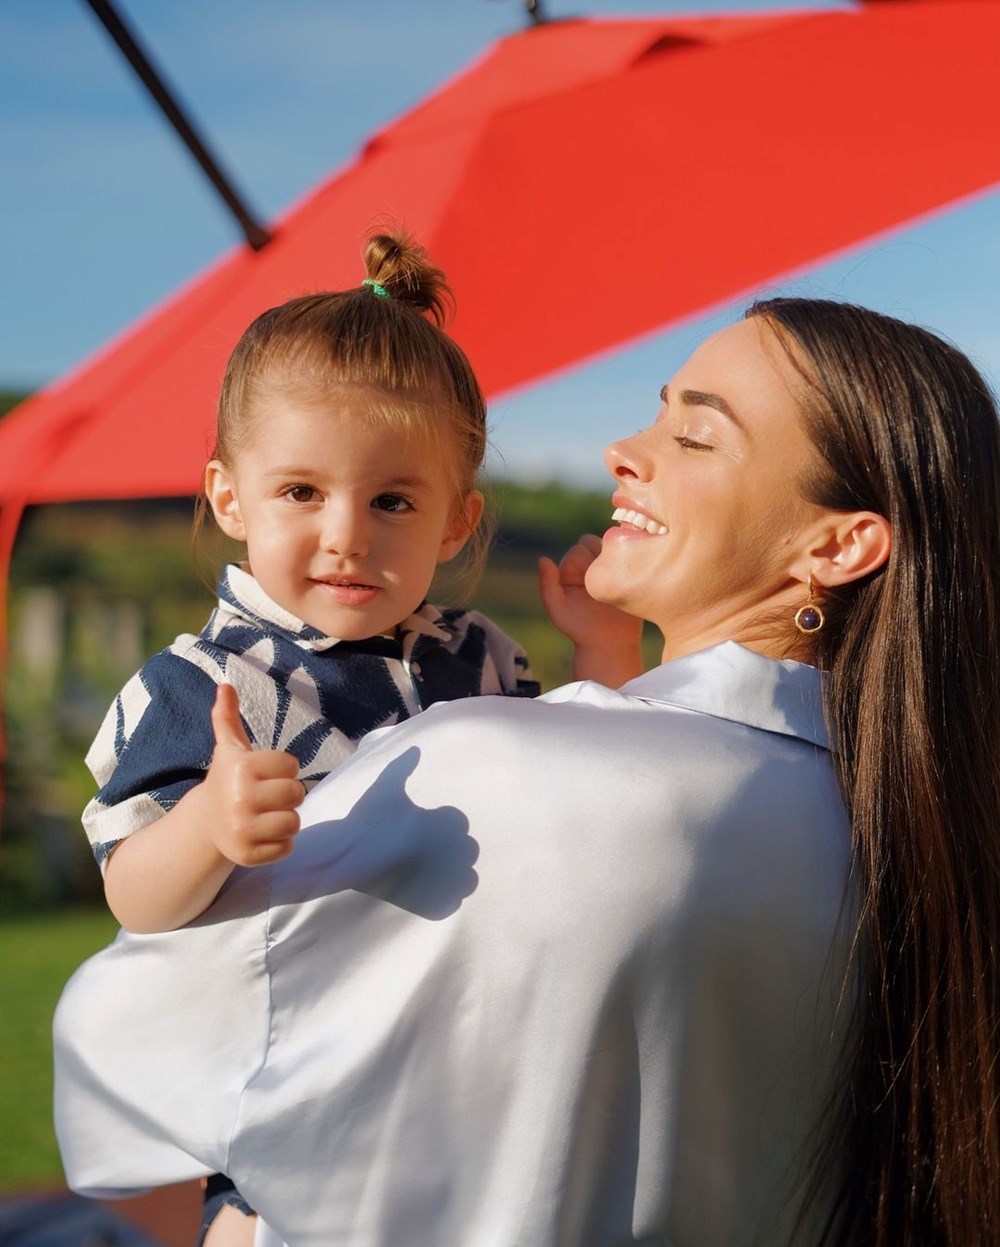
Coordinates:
259 766
264 764
574 564
548 582
269 827
227 725
278 794
267 851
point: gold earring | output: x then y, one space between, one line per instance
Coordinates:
809 618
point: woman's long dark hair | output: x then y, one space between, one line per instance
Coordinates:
905 426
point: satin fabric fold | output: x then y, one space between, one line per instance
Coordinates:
557 973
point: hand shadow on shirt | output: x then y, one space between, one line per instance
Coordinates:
417 859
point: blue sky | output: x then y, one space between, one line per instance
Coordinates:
103 213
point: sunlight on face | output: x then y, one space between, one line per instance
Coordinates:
709 515
345 519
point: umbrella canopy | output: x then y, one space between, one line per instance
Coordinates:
583 183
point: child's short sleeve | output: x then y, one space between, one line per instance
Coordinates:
154 745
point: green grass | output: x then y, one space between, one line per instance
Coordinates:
40 952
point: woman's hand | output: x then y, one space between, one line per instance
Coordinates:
607 642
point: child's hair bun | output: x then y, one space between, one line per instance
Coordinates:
402 267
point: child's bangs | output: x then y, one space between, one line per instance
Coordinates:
438 428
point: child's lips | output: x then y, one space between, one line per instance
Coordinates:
348 592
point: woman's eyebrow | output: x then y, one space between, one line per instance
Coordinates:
701 398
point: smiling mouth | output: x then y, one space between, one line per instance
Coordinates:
636 519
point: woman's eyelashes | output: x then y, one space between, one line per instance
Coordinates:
689 443
691 436
678 427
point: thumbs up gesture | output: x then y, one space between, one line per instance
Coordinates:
252 794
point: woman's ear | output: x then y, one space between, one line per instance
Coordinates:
852 544
221 494
462 524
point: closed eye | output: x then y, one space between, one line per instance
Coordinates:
393 503
689 444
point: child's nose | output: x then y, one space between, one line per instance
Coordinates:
345 531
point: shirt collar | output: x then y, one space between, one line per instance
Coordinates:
732 682
241 594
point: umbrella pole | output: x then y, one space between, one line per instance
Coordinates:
254 233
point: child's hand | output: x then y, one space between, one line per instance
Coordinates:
567 603
607 640
242 814
252 793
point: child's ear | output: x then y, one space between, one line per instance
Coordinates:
462 524
221 494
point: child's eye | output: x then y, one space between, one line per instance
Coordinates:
392 502
300 493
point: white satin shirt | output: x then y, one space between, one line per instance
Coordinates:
553 973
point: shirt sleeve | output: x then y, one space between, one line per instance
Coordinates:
154 745
155 1039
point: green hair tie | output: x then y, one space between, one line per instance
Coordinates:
376 288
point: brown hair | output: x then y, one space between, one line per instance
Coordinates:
905 426
384 336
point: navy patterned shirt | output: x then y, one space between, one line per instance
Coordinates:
301 691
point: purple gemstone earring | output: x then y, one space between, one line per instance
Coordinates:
809 618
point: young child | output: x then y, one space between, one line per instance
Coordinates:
350 431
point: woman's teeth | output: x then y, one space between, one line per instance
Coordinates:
622 516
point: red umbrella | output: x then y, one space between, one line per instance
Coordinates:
583 183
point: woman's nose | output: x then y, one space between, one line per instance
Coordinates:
626 461
345 530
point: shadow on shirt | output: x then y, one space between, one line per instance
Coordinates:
417 859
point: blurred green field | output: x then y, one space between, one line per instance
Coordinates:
40 952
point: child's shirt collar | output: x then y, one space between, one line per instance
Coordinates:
240 593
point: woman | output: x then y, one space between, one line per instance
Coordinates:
649 965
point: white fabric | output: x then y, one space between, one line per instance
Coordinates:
264 1236
553 973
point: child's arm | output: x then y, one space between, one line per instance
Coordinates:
242 814
607 642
